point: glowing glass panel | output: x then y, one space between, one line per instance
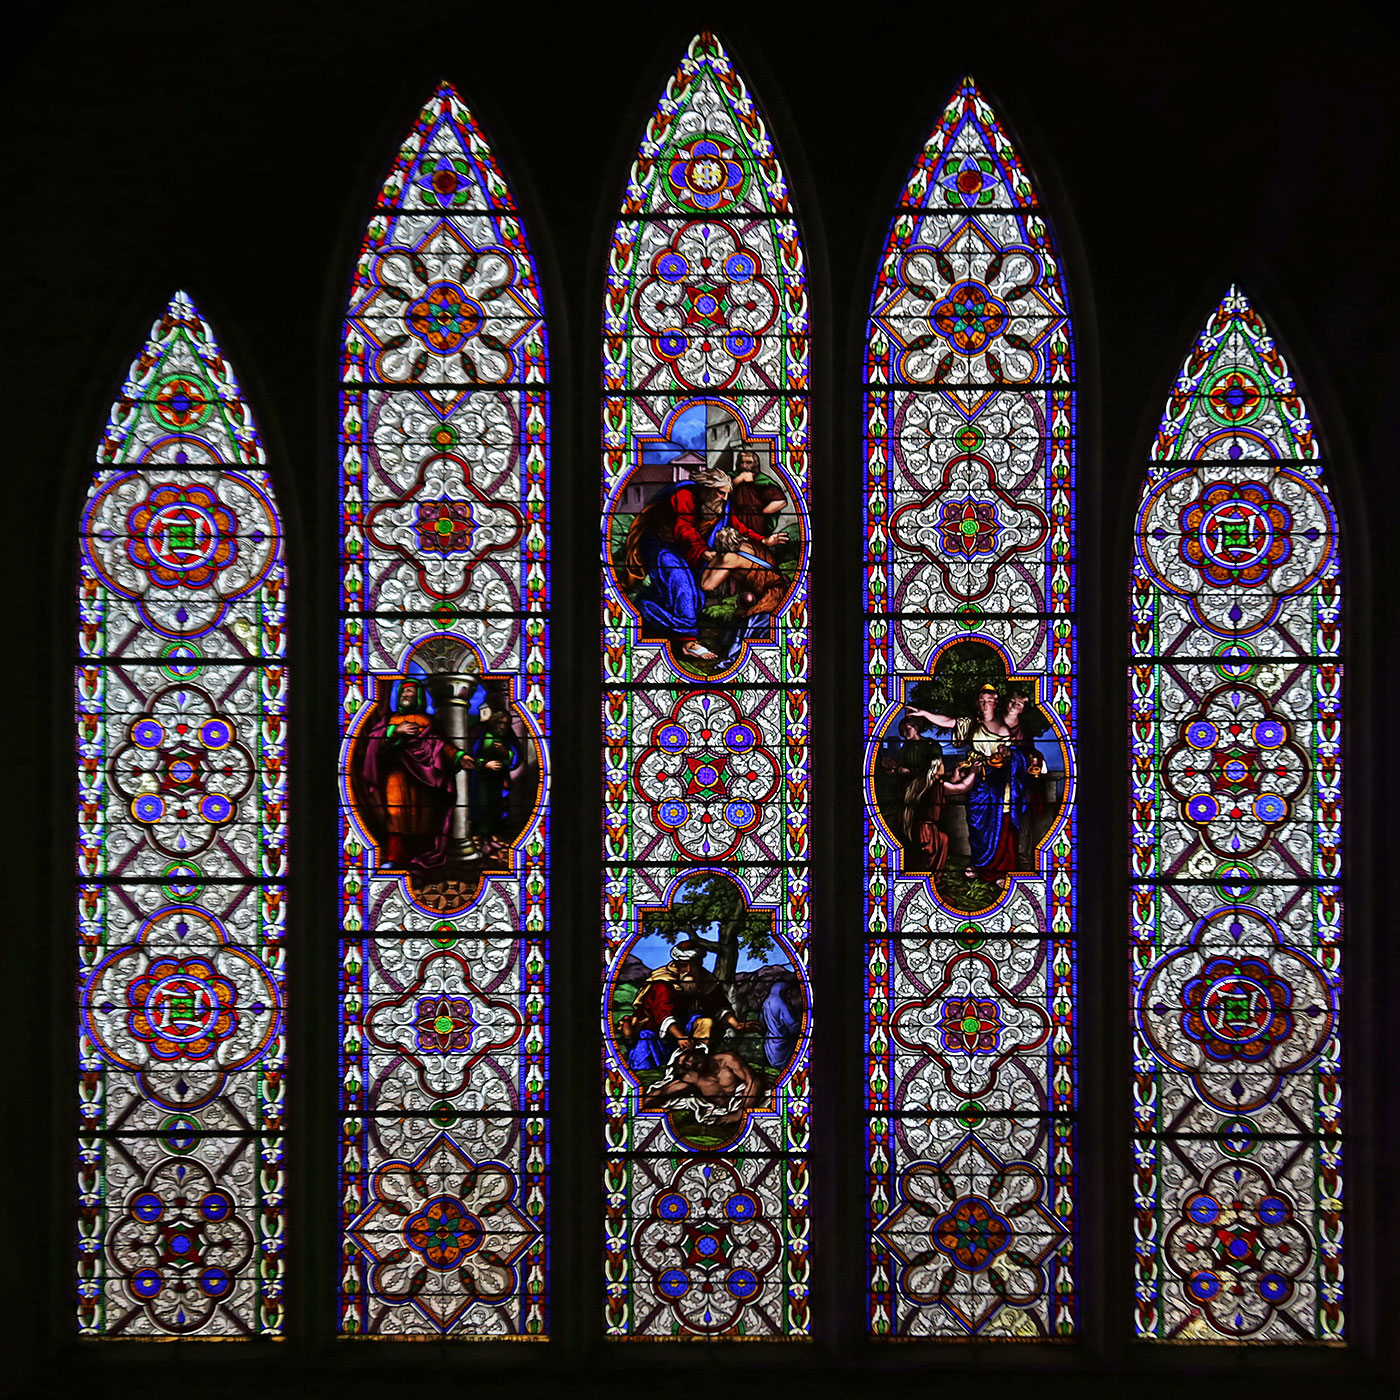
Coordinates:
444 702
970 658
705 920
1236 859
181 697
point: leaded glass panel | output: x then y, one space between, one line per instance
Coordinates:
444 770
705 668
1236 820
181 694
970 683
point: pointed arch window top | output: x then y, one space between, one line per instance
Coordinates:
706 151
970 291
180 390
1234 396
968 162
445 294
445 165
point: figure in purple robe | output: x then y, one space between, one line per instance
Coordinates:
410 772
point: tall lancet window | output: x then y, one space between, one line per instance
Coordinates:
705 922
181 743
1236 858
970 655
444 764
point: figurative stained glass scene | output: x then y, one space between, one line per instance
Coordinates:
181 696
444 698
707 1000
1236 714
970 658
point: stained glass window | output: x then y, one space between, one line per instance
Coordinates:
181 742
705 666
970 656
444 691
1236 857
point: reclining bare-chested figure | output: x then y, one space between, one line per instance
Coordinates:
723 1085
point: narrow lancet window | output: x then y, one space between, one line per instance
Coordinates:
444 760
970 704
182 821
1236 914
705 922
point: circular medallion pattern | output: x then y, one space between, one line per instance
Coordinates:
1236 533
182 1006
1237 1008
705 174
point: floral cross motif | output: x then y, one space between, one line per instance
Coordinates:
1236 771
442 1023
449 535
1238 1246
447 182
182 770
442 1213
707 1247
706 775
445 310
969 527
1235 397
705 175
972 1233
445 527
968 317
706 305
967 312
969 1025
969 179
181 1245
444 318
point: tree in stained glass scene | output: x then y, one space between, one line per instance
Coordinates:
707 1001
